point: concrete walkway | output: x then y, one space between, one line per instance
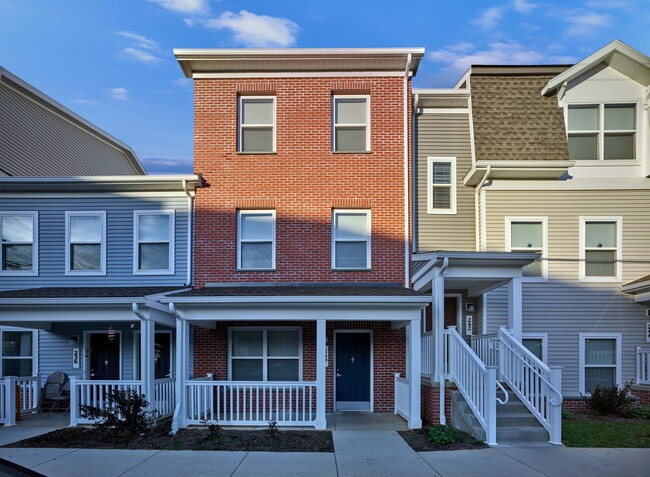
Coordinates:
358 453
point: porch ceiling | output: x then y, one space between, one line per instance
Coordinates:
640 289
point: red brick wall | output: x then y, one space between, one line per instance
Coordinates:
211 355
642 395
430 403
303 181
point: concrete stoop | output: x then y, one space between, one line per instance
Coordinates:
515 424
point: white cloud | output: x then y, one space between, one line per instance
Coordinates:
86 102
140 55
184 6
253 30
139 41
523 6
183 82
140 47
119 94
586 24
489 18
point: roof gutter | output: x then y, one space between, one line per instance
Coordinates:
407 246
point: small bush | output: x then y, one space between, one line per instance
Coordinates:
272 430
610 400
566 414
442 434
636 412
125 413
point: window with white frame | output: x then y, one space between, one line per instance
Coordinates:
351 131
351 239
536 344
272 354
18 347
528 234
256 239
600 356
600 239
154 242
602 132
256 124
19 232
441 185
85 243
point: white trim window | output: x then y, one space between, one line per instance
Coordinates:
265 354
529 234
600 361
601 249
351 123
441 185
602 131
256 240
85 239
18 352
351 239
19 233
536 343
256 128
153 237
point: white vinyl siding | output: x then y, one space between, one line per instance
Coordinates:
351 239
19 234
600 358
256 124
351 124
153 248
85 252
441 185
600 248
265 354
529 234
18 352
256 240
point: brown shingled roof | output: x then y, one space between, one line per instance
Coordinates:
513 121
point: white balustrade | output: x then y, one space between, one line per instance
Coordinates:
401 396
95 393
165 396
251 403
3 402
30 388
487 348
642 366
427 351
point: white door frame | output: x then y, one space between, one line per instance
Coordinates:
372 368
459 311
87 350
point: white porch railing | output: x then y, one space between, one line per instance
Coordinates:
238 403
642 366
95 393
22 393
427 352
165 396
487 348
476 382
30 390
534 383
3 404
401 396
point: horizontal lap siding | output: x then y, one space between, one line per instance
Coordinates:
119 234
445 135
564 307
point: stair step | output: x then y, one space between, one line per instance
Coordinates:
521 434
518 420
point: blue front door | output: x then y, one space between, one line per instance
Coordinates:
353 371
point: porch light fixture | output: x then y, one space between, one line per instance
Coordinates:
111 334
73 340
469 307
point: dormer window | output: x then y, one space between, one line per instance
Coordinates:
601 132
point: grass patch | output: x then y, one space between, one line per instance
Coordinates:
602 432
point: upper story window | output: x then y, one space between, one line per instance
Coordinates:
256 124
18 348
528 234
351 240
154 242
351 124
256 240
600 248
441 185
85 252
602 132
19 231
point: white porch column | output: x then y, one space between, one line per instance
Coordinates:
515 307
182 373
438 292
413 369
147 369
321 350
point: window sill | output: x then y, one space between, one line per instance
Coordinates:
351 152
255 270
153 272
85 274
441 212
271 153
600 280
351 269
18 273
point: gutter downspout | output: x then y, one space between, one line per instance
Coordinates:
190 228
477 219
407 247
414 172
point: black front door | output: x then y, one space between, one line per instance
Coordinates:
104 356
353 371
162 358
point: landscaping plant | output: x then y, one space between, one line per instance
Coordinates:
443 434
636 412
610 400
125 414
272 430
566 414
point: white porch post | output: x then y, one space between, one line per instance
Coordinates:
515 307
413 369
182 373
10 401
438 292
147 369
321 350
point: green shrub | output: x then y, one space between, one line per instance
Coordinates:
125 413
273 430
442 434
636 412
610 400
566 414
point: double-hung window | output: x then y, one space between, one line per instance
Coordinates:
441 185
602 132
85 252
528 234
600 358
153 242
19 232
256 124
256 239
600 248
351 124
351 239
18 352
272 354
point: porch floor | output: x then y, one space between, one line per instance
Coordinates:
365 421
32 425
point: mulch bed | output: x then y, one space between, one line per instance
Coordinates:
419 442
188 439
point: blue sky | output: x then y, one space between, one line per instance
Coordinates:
111 60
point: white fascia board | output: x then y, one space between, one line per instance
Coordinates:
441 92
104 179
209 53
70 301
288 300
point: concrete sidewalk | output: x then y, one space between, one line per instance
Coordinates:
358 453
